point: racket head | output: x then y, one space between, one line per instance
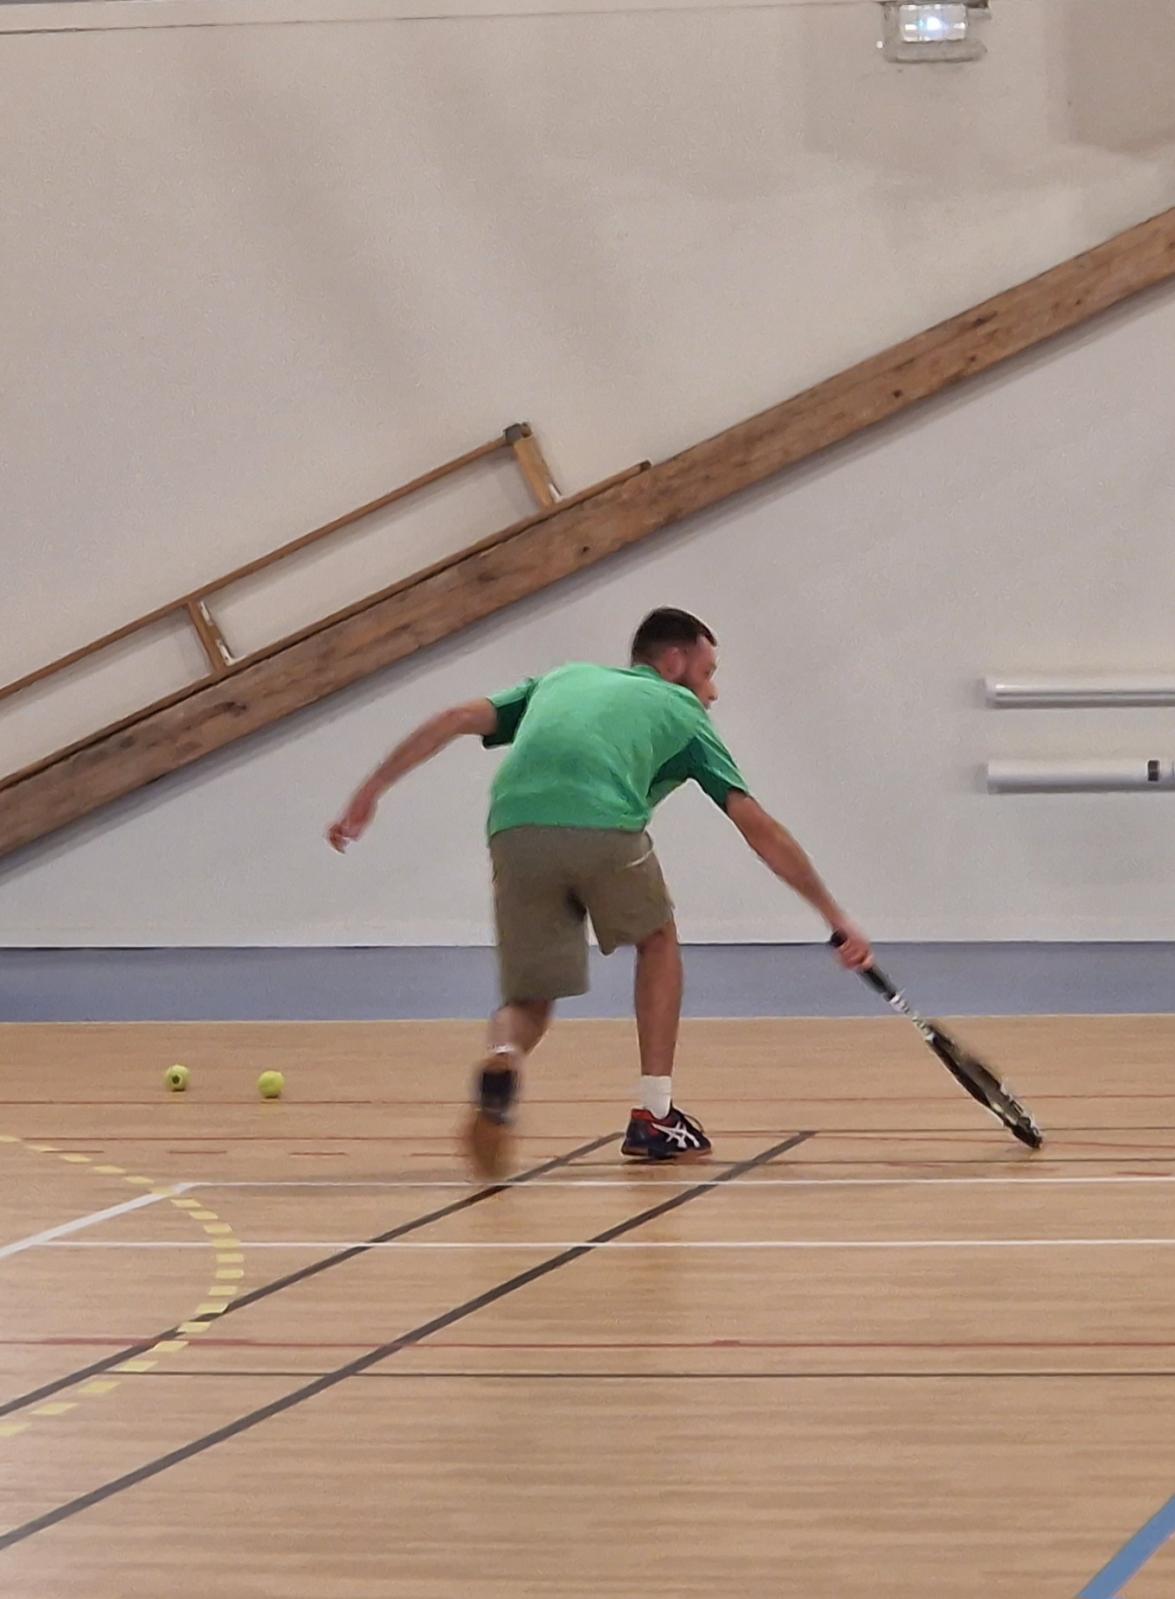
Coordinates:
967 1069
983 1085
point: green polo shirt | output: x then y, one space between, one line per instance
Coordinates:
600 746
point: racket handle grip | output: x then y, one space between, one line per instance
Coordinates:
873 975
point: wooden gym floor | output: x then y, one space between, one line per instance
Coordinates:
872 1349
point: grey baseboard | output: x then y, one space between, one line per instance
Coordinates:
122 985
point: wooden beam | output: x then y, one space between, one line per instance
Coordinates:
557 546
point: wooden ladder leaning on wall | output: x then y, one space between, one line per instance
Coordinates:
194 607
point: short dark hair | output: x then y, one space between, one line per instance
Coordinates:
667 628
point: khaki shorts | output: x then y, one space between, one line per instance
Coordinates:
547 881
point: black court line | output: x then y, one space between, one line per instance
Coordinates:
35 1395
352 1368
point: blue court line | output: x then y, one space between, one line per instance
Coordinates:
1129 1561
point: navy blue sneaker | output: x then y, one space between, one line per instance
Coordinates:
673 1137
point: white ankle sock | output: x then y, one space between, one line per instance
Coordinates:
656 1094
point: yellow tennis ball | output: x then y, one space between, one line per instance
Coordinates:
177 1078
270 1085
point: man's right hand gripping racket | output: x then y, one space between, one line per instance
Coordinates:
969 1072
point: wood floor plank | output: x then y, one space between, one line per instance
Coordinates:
901 1358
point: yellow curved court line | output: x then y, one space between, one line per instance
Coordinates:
224 1285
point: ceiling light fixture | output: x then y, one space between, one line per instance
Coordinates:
945 30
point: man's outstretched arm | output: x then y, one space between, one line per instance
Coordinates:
478 716
778 850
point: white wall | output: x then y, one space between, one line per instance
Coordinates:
262 273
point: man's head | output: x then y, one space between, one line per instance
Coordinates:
680 648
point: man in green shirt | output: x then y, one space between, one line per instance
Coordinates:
593 749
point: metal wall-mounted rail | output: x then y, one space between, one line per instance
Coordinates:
1095 776
1073 693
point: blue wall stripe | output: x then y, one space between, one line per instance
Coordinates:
46 985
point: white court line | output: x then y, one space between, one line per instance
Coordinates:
753 1182
687 1243
35 1240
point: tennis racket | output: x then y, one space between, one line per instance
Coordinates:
969 1072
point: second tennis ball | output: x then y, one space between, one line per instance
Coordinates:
177 1078
270 1085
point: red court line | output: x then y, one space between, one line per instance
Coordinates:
859 1136
903 1131
564 1099
842 1135
951 1132
941 1163
296 1137
1093 1143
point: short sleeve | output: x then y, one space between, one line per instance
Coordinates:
511 707
712 767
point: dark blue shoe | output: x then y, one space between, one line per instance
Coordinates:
673 1137
487 1133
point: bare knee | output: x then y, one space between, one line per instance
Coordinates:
662 941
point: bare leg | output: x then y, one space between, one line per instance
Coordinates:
658 1000
659 1129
